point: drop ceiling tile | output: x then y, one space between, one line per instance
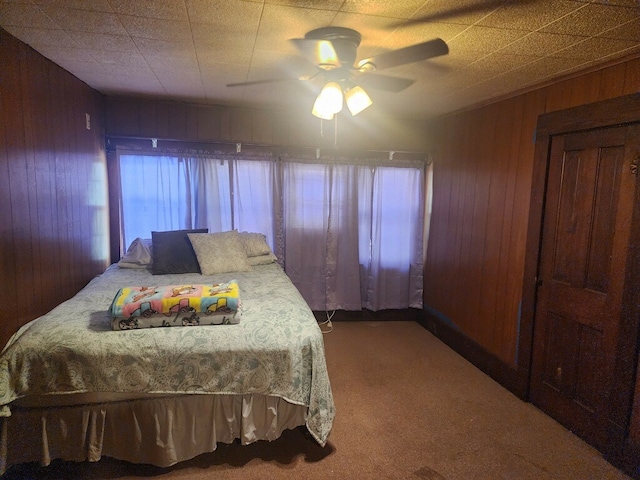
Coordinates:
513 81
184 90
375 31
160 62
43 36
126 85
462 80
412 34
627 31
597 47
222 69
25 15
160 9
208 35
383 8
100 41
231 54
528 15
148 46
279 24
592 19
174 76
123 59
137 71
498 63
550 67
91 5
317 4
183 85
156 29
464 12
622 3
225 12
83 67
276 64
426 72
85 21
541 44
220 75
485 39
459 57
59 54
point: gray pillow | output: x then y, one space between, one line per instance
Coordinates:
173 253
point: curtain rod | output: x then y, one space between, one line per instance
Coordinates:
236 147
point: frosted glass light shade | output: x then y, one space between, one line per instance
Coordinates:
357 100
319 112
329 102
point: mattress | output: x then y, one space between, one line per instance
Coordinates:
277 351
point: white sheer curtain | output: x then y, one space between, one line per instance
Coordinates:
395 268
211 202
354 235
155 194
256 200
350 236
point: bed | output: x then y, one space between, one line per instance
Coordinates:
73 387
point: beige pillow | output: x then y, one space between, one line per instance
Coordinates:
265 259
219 252
254 243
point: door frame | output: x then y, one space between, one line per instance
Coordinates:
615 112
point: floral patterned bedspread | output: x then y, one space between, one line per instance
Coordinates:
276 350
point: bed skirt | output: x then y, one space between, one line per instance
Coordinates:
157 431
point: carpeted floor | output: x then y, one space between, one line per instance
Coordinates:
408 407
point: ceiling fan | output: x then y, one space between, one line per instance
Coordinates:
333 50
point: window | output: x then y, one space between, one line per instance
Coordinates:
349 236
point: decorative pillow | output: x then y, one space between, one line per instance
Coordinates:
262 259
173 253
219 252
254 243
138 254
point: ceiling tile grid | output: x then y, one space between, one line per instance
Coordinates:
191 49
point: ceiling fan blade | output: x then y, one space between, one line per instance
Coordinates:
413 53
320 52
275 80
383 82
477 10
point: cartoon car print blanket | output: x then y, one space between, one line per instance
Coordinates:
176 305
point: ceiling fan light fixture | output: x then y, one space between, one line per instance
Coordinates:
357 100
329 102
320 113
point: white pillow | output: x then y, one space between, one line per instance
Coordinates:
254 243
138 255
219 252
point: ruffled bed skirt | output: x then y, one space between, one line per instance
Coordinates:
158 431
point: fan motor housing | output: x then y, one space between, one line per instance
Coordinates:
345 41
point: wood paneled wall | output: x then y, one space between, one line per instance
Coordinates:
131 117
483 165
53 213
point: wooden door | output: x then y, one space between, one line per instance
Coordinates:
581 282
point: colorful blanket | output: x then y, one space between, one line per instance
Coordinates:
176 305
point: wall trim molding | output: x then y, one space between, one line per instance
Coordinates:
516 381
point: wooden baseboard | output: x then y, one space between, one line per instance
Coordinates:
515 381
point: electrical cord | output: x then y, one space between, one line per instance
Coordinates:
327 322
